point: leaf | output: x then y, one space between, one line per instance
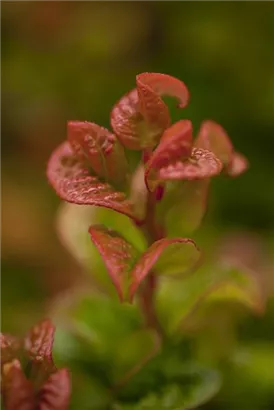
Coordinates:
118 254
176 300
18 392
164 84
128 269
186 207
99 148
9 347
238 165
164 257
39 341
74 183
212 137
201 164
175 145
55 393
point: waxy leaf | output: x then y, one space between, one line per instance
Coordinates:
74 183
55 393
18 393
175 145
237 166
164 84
118 254
212 137
39 341
201 164
99 148
128 269
186 207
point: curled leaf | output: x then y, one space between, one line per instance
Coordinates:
74 183
118 254
164 84
99 148
238 165
201 164
39 341
212 137
164 257
175 145
55 393
18 393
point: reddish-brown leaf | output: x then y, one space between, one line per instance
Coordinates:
238 165
39 341
55 393
212 137
9 347
175 146
164 84
18 392
125 120
99 148
119 256
74 183
201 164
165 257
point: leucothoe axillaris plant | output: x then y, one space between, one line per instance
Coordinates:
172 178
167 186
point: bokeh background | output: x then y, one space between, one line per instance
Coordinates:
73 60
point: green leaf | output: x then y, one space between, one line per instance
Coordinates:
185 206
176 300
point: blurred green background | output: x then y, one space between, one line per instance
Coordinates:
72 60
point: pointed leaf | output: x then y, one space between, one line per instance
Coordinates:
164 84
238 165
212 137
99 148
74 183
165 257
55 393
185 207
175 145
118 254
18 392
201 164
39 341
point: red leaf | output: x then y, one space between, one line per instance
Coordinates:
9 347
99 148
74 183
55 393
212 137
125 120
165 256
238 165
119 256
39 341
18 392
175 145
202 164
164 84
127 269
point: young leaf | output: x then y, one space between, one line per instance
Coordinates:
237 166
18 393
39 341
175 145
99 148
165 256
212 137
73 182
164 84
9 347
118 254
186 207
55 393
